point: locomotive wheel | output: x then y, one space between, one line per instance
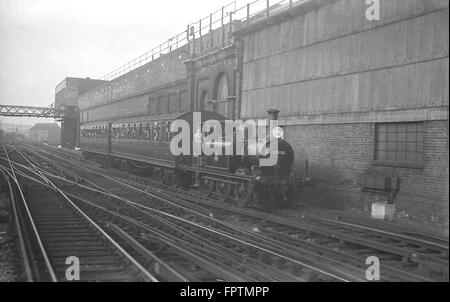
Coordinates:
209 185
241 191
262 194
123 166
223 188
245 194
242 202
165 176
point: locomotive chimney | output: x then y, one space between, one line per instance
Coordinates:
272 114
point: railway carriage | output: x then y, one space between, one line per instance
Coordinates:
94 137
143 143
142 136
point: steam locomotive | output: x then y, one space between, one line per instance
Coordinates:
144 144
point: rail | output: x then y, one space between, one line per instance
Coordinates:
47 262
252 242
400 247
19 230
46 182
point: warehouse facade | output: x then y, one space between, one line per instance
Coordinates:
359 98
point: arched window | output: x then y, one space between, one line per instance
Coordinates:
204 104
222 105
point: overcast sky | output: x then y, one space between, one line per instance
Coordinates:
44 41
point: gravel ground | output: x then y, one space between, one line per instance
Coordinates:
10 270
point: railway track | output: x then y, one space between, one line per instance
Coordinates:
52 230
413 259
225 264
206 236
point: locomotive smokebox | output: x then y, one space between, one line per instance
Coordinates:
272 114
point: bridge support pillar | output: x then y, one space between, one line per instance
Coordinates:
69 128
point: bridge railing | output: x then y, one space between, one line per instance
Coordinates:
31 111
222 17
248 13
193 30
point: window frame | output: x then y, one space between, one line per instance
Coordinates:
417 164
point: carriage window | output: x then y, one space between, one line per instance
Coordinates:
169 134
129 131
140 134
147 131
134 132
162 133
155 133
122 131
165 132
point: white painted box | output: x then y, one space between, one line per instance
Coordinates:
383 211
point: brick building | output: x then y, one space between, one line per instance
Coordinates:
358 98
46 133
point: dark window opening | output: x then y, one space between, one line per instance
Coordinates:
174 105
399 143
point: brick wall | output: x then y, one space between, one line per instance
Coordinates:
133 106
166 70
339 154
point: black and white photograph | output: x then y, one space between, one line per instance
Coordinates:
229 144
